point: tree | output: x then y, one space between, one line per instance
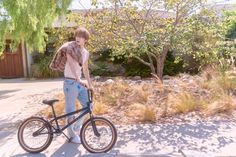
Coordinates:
26 20
147 28
227 48
200 37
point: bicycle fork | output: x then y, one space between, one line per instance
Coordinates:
95 130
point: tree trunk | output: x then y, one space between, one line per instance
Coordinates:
160 59
158 67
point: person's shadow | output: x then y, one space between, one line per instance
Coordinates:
67 149
70 149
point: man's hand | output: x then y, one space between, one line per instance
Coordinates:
90 87
84 83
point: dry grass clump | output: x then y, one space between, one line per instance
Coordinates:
216 81
209 72
149 114
142 112
138 94
222 87
100 108
110 93
183 103
222 103
227 82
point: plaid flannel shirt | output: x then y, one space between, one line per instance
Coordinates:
59 60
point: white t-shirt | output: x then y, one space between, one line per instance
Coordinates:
68 71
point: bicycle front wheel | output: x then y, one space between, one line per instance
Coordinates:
35 134
98 135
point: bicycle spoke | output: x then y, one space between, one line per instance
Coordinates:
35 141
103 140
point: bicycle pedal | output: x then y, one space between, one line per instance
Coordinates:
58 134
70 139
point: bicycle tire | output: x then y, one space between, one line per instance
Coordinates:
45 125
84 140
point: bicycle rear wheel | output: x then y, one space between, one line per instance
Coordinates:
98 143
35 134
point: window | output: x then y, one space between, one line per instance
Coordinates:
8 48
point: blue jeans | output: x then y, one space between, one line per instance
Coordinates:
74 90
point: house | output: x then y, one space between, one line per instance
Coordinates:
219 8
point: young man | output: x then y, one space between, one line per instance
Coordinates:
72 58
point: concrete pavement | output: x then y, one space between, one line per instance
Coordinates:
20 98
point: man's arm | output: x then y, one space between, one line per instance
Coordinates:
86 74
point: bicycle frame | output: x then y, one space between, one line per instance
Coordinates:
85 111
58 129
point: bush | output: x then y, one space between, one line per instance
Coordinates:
135 68
170 66
105 69
41 70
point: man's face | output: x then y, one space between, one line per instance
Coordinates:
80 40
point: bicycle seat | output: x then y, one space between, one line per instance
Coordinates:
50 102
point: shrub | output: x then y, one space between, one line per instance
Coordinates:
222 103
227 83
135 68
142 112
185 103
99 108
104 69
40 68
171 67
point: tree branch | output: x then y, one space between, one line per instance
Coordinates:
141 60
151 62
146 16
130 21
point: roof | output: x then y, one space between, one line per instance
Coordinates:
62 21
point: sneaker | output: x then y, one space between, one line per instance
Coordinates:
75 139
77 127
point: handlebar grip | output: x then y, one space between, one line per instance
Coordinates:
90 94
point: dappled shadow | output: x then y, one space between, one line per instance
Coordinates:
201 136
4 93
100 155
29 155
8 127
